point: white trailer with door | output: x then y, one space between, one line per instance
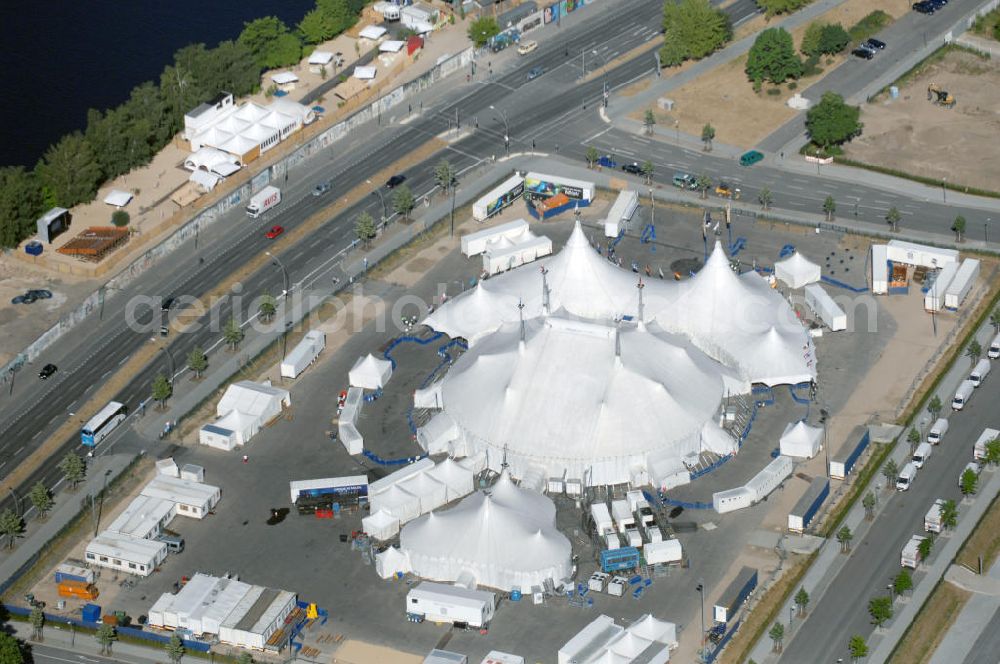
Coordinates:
934 298
304 354
621 212
880 269
602 519
963 282
979 450
439 602
823 306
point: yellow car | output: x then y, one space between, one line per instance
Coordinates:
527 47
727 190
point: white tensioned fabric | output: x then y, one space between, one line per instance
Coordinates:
531 504
458 480
797 271
499 546
566 399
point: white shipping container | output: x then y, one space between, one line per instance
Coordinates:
823 306
880 269
934 298
634 497
602 518
911 253
598 581
665 551
622 514
964 280
304 354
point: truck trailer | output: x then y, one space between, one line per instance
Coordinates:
963 282
932 520
807 507
440 602
735 595
304 354
979 451
262 201
910 556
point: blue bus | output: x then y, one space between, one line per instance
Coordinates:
102 424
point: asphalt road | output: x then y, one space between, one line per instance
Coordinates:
843 610
986 647
902 38
45 654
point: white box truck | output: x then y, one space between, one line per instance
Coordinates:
937 432
602 519
963 282
906 476
994 350
439 602
979 372
932 520
910 556
962 395
304 354
922 454
622 514
979 451
262 201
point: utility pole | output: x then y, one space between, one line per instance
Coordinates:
454 183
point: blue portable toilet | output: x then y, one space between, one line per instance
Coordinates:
91 613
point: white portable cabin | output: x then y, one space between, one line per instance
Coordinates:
194 499
911 253
497 199
934 298
979 372
823 306
125 553
937 432
256 617
438 656
304 354
418 18
193 472
144 518
963 282
167 467
932 520
979 449
634 497
666 551
768 479
474 244
963 394
621 212
731 500
602 518
993 352
622 514
880 269
439 602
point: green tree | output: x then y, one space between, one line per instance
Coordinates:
811 38
444 175
20 204
703 183
197 361
403 201
364 228
974 351
11 650
858 648
774 7
934 406
913 438
880 609
832 122
949 514
829 207
924 547
41 498
959 228
772 57
777 636
592 156
707 136
270 43
120 218
649 120
268 307
869 502
995 320
647 171
802 601
903 583
69 171
890 471
37 620
833 39
482 30
244 658
73 469
992 452
316 27
844 536
970 482
233 333
692 29
11 526
106 636
765 198
893 216
175 648
162 389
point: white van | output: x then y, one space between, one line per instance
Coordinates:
978 373
526 47
937 432
906 477
962 395
922 454
994 349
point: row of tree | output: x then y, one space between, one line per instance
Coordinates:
122 138
692 29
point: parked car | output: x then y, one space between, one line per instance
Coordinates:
863 53
634 168
535 72
47 371
607 161
685 181
274 232
875 44
322 188
924 7
40 293
750 158
395 181
526 47
727 190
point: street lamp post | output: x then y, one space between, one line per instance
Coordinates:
986 231
506 128
284 292
454 184
824 414
381 198
173 367
944 190
17 500
701 589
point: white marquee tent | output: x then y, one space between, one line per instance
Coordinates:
390 562
431 493
381 525
458 481
370 372
245 407
400 504
801 440
118 198
490 539
797 271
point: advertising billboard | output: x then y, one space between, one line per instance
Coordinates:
551 13
544 188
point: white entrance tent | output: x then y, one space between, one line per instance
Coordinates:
391 562
457 480
801 440
381 525
242 411
118 198
431 493
370 373
497 544
797 271
401 505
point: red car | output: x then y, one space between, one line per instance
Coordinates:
274 232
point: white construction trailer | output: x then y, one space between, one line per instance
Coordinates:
621 212
823 306
934 298
304 354
964 280
880 269
440 602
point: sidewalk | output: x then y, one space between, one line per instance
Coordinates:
830 561
77 645
974 618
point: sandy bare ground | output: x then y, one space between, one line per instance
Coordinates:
913 135
725 98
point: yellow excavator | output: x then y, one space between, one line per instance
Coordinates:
940 97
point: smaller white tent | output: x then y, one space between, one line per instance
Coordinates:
398 503
118 198
801 440
457 480
438 433
390 562
431 493
428 397
381 525
205 180
364 73
797 271
370 372
245 407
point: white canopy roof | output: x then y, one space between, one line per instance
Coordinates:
364 73
391 561
320 57
381 525
391 46
797 271
801 440
398 503
457 480
370 372
252 398
372 32
118 198
498 545
205 179
284 77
